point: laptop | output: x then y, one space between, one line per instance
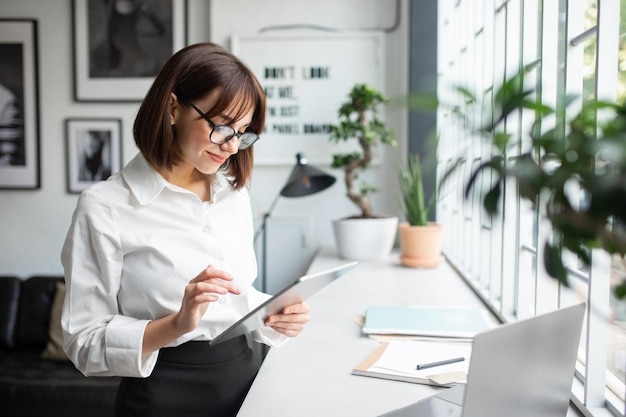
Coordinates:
522 369
298 291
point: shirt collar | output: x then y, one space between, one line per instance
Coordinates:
146 183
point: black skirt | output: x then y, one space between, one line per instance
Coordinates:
193 379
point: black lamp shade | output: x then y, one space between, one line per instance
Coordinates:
305 180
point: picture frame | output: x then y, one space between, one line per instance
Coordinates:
19 105
94 151
119 50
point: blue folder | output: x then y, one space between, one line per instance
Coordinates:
458 322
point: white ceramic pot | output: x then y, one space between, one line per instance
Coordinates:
365 239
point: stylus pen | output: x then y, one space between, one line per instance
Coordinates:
439 363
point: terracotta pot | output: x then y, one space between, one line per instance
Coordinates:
420 246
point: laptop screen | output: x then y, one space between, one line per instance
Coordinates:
525 369
522 369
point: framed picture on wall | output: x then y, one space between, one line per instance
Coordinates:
119 45
306 78
94 151
19 105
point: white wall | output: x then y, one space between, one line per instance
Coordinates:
34 223
249 17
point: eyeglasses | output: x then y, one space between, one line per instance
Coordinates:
220 134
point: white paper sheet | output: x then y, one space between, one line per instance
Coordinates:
401 357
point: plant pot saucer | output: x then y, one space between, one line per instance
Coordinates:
421 262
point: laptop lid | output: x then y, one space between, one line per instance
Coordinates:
521 369
525 369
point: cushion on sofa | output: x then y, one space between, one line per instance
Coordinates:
34 311
54 347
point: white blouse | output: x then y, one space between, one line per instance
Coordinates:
135 242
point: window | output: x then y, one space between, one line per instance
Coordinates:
574 41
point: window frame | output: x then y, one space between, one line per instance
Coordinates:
508 273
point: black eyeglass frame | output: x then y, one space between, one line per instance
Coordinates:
246 139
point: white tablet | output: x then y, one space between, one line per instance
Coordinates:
303 288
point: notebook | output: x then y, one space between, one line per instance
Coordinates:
398 360
460 322
522 369
300 290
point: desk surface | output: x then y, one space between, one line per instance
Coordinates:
310 375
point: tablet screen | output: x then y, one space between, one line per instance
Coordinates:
303 288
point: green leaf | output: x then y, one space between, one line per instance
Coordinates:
491 199
529 177
620 290
423 102
501 141
412 187
495 164
470 98
554 264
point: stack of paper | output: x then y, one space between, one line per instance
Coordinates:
398 360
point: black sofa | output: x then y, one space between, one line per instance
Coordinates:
29 384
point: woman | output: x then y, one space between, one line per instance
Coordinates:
159 259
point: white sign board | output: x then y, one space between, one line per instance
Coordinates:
306 79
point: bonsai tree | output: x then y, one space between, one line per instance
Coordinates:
587 152
358 120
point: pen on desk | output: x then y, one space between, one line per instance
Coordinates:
439 363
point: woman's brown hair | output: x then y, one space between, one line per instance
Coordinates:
191 74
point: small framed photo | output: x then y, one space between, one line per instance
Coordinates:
94 151
19 105
120 45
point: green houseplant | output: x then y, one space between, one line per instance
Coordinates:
414 204
365 235
586 152
420 239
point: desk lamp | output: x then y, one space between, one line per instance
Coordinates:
304 180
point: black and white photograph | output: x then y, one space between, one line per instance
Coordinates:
19 136
93 151
119 45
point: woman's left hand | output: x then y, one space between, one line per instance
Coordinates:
291 321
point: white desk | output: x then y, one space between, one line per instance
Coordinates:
310 375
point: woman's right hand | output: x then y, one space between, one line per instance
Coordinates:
205 288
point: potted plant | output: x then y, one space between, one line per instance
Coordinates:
588 153
420 239
364 236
